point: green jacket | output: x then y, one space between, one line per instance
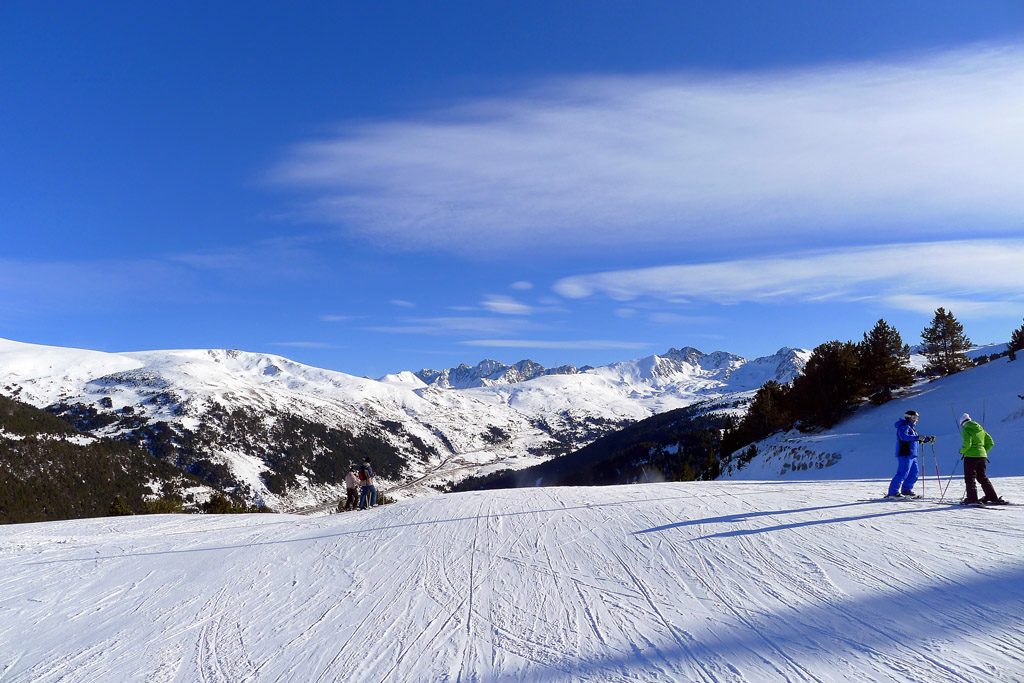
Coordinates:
977 442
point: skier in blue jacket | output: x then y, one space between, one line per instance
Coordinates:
908 447
369 494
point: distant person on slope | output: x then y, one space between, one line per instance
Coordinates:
351 484
977 444
908 447
369 490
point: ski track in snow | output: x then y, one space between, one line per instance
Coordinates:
698 581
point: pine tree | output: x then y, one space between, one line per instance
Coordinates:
884 362
1016 340
830 383
119 508
768 412
944 344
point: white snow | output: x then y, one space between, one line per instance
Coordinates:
702 581
865 444
404 379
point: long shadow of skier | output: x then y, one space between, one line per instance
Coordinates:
741 517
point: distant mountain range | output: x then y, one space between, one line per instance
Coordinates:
281 433
488 373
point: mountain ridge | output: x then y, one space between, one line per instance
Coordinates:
283 434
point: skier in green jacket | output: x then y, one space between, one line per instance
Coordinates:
977 444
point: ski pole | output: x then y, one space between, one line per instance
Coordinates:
935 459
950 480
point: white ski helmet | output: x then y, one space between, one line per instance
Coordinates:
911 415
964 419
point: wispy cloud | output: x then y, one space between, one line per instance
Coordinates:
278 259
458 325
336 318
978 277
926 145
307 345
505 305
522 285
584 344
965 308
401 303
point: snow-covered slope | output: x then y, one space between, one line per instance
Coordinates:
703 581
230 415
864 445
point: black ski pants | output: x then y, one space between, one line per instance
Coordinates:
974 470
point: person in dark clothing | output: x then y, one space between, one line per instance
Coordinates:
908 447
977 444
369 494
351 494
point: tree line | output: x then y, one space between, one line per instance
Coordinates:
840 375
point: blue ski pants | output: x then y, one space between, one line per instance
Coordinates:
369 492
907 473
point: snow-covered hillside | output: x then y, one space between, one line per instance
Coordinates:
241 417
864 444
702 581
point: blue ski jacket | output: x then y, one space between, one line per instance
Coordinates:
907 439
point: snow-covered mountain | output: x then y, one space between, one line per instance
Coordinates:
730 582
284 433
490 372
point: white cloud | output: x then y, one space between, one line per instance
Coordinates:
335 318
306 345
521 284
506 305
625 312
586 344
458 325
277 259
963 308
402 303
979 277
925 146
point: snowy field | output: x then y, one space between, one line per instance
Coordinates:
719 581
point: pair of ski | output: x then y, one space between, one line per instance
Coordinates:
936 501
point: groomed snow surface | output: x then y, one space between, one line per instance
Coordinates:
699 581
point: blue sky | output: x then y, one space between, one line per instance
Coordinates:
372 187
